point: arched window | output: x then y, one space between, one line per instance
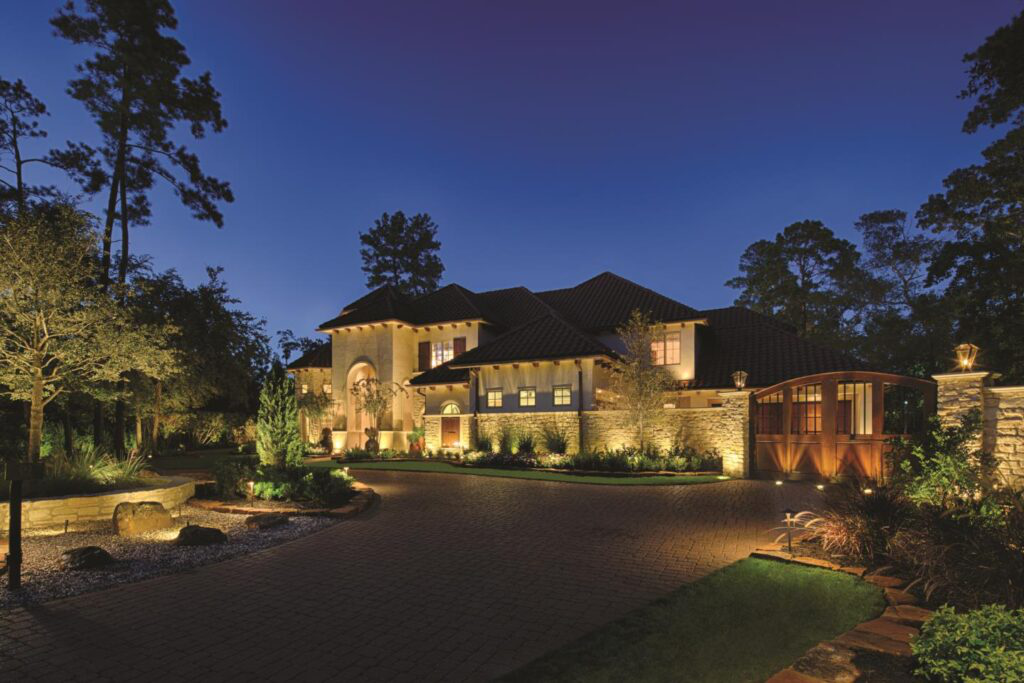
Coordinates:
450 409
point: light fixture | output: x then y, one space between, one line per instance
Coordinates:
966 354
868 492
778 482
739 378
789 528
252 493
820 487
345 470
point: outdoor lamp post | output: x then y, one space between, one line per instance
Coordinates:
789 528
252 493
966 354
739 378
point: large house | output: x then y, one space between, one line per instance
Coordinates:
472 363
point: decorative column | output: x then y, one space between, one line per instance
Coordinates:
734 433
960 392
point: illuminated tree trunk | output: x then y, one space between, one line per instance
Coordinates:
156 418
35 422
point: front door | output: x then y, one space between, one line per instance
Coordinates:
450 432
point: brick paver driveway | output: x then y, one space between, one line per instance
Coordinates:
451 577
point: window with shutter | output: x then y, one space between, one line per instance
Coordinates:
424 351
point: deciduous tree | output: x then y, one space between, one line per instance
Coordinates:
638 383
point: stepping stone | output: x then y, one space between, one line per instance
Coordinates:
908 614
889 629
885 581
791 676
828 662
862 640
771 555
895 596
815 562
855 571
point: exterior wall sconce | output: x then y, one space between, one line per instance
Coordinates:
966 354
739 378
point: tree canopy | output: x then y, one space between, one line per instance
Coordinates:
402 252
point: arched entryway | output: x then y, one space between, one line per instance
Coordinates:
357 421
835 424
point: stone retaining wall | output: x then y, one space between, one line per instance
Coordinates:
40 513
1002 410
566 421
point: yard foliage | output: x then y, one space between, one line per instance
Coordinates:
638 383
984 645
278 442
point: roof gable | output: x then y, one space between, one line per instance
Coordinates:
319 357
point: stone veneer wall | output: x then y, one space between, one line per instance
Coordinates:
432 432
725 429
565 421
40 513
1002 410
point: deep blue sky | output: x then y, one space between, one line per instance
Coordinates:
549 140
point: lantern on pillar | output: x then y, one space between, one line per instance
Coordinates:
966 354
739 378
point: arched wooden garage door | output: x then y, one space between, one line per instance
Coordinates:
836 423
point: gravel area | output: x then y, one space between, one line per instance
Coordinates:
140 557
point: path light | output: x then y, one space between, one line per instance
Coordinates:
820 487
868 491
778 482
789 528
345 470
739 378
966 354
252 493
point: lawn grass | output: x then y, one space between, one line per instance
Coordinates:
742 623
448 468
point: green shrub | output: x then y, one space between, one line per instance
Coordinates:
506 460
232 474
278 442
984 645
525 444
483 444
327 488
856 525
555 440
507 440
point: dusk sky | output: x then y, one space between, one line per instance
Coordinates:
550 141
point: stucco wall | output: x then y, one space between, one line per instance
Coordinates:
542 377
40 513
1002 410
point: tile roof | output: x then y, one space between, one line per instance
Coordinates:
511 307
320 357
442 374
545 338
383 303
606 301
740 339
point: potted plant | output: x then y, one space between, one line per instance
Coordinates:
417 441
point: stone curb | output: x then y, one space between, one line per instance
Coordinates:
361 502
890 633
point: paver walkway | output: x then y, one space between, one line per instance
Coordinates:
449 578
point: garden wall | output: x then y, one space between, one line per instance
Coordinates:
1002 410
566 421
40 513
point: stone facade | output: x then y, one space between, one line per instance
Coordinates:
40 513
724 429
1002 410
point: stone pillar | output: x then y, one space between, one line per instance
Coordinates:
958 393
734 433
1004 430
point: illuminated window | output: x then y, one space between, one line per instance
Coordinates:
853 410
441 352
305 388
666 349
328 388
562 396
807 409
527 396
450 409
494 398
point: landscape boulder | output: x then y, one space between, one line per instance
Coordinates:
133 519
200 535
87 557
265 520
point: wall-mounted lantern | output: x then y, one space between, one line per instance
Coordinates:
966 354
739 378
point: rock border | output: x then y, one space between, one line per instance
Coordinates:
888 634
364 498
